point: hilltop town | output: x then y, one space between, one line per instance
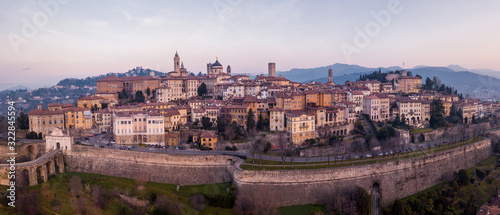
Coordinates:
160 111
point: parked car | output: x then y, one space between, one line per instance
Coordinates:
134 146
113 142
368 155
102 146
91 135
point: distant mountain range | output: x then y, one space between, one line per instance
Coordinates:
467 82
18 87
91 81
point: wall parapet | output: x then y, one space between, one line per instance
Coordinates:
397 179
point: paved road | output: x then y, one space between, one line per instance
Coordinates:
387 152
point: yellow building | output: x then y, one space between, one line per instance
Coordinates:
79 118
43 120
408 84
57 106
90 101
447 108
172 118
298 101
235 113
300 127
208 139
325 98
312 97
172 139
110 98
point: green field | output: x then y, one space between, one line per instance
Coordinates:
78 193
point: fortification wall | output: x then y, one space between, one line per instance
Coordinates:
148 166
26 151
397 179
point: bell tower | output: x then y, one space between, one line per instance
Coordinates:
330 75
177 59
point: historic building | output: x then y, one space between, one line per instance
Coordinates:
139 128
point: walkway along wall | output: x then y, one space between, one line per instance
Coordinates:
149 166
397 179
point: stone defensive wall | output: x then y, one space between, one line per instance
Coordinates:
27 150
269 188
33 172
148 166
395 179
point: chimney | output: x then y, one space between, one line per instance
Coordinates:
39 106
271 69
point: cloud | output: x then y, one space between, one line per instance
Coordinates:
27 68
97 23
144 21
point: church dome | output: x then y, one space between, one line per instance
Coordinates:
216 63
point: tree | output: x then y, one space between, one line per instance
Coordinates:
40 135
362 199
258 146
123 94
397 121
220 125
250 120
202 89
471 205
282 143
428 84
262 124
139 97
463 178
437 114
401 208
205 122
148 92
23 121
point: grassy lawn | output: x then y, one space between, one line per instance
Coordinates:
420 130
59 196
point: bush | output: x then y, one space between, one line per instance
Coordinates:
490 180
228 148
152 197
462 204
234 148
480 174
463 178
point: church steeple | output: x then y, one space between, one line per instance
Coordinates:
177 60
330 75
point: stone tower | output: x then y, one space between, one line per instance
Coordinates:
177 59
404 72
228 69
271 69
330 75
